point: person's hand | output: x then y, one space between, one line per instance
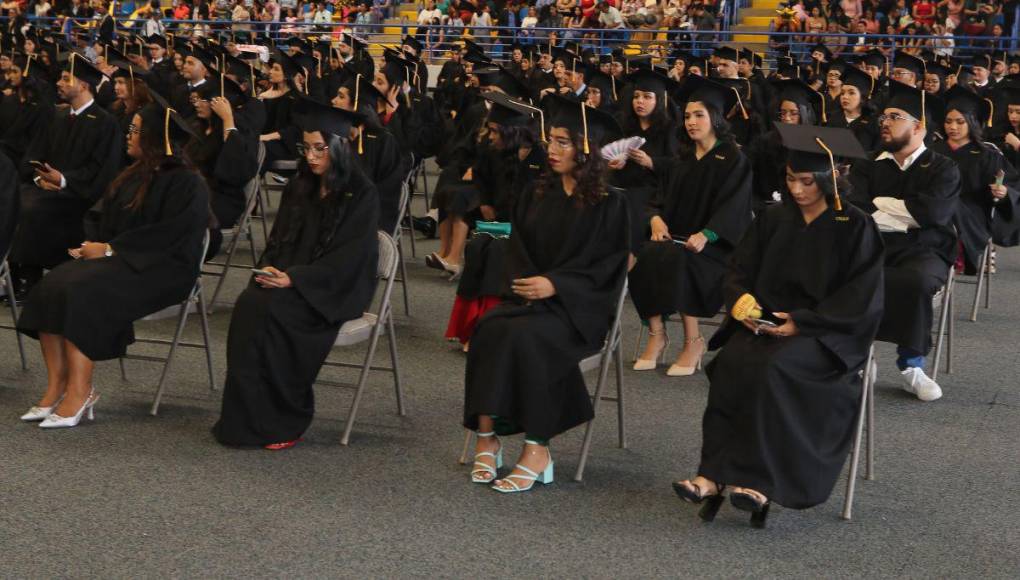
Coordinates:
221 107
534 288
1013 141
488 213
46 185
998 191
617 164
546 91
696 242
88 251
269 137
564 90
280 280
7 92
299 82
641 158
788 328
48 174
138 61
467 174
660 231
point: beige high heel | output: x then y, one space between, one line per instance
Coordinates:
642 364
676 370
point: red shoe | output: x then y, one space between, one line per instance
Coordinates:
282 446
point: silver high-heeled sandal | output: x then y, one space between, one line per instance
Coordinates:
483 472
642 364
545 478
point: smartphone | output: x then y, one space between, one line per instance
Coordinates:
261 272
763 322
681 240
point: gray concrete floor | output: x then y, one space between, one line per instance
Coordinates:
131 495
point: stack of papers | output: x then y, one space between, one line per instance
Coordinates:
892 215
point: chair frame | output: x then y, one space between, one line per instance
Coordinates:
865 419
383 322
946 326
8 281
983 281
195 296
398 236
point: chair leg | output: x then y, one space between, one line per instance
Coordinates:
425 180
123 369
869 457
467 443
362 379
951 330
181 320
980 284
231 250
403 277
410 226
988 276
944 317
395 363
9 288
204 318
855 454
596 399
621 415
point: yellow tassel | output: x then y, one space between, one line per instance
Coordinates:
584 122
832 164
924 125
740 103
251 78
28 63
361 145
166 131
223 86
131 73
991 111
357 92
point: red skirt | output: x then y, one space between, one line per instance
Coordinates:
465 315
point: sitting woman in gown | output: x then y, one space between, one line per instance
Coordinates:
857 111
565 266
142 256
226 156
280 134
700 213
805 294
989 207
319 272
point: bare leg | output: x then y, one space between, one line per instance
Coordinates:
458 239
488 443
701 486
79 380
534 457
656 339
694 344
445 231
56 368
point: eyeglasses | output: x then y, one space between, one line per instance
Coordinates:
133 129
561 144
315 151
895 118
788 115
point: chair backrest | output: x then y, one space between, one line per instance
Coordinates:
388 256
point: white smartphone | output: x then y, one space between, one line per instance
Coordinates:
261 272
762 322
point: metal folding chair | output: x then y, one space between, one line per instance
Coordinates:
866 414
243 227
369 328
8 282
398 236
947 326
983 281
714 321
195 298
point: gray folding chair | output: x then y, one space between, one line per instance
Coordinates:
983 281
946 326
8 282
398 236
369 328
866 414
195 298
243 227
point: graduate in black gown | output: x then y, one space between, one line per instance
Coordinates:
989 201
1006 136
913 193
644 115
226 156
142 254
696 218
783 399
323 254
27 111
79 156
375 149
9 202
280 134
857 113
503 180
569 247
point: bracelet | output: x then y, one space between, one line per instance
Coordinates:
712 236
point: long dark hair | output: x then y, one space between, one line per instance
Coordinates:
138 97
589 172
974 129
514 138
340 168
153 159
659 120
824 181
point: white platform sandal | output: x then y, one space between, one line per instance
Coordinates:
483 472
546 477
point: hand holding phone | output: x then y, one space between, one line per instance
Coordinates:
261 272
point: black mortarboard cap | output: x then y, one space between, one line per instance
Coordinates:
1007 91
478 59
712 94
648 80
174 127
875 57
223 86
914 102
289 65
596 127
315 116
506 111
204 56
983 61
364 95
727 53
909 62
606 84
80 68
797 91
752 57
353 41
938 69
786 66
967 102
819 47
815 149
637 62
157 39
412 42
864 82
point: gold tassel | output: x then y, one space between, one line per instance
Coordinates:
740 103
166 131
28 63
824 118
612 81
832 164
73 55
991 111
169 43
924 124
131 73
251 77
584 122
223 86
357 92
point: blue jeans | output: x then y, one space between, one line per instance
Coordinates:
908 357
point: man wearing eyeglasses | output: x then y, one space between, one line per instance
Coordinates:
912 193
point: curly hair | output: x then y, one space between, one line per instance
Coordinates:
589 172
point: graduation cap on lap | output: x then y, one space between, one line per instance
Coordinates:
815 149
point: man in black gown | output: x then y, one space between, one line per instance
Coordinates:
913 194
64 172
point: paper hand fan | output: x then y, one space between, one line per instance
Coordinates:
618 150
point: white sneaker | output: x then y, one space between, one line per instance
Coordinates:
919 384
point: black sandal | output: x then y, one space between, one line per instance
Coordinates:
693 495
749 503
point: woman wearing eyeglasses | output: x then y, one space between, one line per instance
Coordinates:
317 272
857 113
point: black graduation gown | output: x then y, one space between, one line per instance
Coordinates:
978 217
523 360
781 411
157 250
227 167
639 183
163 77
384 164
768 160
279 338
250 117
9 202
280 119
87 151
917 262
713 192
29 119
403 125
